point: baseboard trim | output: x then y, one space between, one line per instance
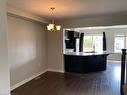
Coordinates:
27 80
55 70
34 76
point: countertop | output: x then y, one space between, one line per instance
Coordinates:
87 53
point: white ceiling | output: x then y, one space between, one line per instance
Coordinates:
70 8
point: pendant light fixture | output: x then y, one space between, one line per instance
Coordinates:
52 27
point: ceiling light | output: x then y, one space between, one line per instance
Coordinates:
52 27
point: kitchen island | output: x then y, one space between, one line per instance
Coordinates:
80 62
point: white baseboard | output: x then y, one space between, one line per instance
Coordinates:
55 70
32 77
27 80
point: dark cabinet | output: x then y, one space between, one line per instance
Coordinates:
85 64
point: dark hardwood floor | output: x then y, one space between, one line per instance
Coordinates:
52 83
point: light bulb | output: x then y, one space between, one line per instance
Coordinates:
58 27
48 27
51 26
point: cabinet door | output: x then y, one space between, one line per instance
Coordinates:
73 64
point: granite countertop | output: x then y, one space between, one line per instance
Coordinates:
86 53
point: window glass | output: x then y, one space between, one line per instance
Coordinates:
88 43
92 43
98 42
119 43
126 43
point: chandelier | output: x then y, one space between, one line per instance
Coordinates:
52 27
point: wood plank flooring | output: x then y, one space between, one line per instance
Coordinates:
52 83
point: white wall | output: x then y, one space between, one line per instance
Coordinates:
4 66
55 40
27 49
54 51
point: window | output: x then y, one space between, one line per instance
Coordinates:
92 43
88 44
120 43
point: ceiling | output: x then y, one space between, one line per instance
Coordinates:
70 8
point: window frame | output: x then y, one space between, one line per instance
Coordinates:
125 42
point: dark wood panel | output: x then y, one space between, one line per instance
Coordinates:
52 83
85 64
